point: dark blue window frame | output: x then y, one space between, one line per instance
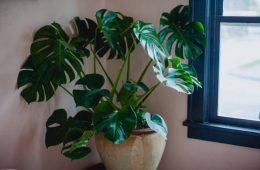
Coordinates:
203 121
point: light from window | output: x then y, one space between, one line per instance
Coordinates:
241 8
239 71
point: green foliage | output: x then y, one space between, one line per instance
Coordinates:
178 29
36 88
150 40
117 34
116 124
112 35
57 59
156 123
181 77
85 31
92 81
178 76
52 62
89 98
128 95
56 128
78 149
73 132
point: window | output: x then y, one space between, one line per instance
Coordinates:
227 108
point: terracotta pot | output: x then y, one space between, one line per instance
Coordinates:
142 151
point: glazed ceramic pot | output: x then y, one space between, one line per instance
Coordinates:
142 151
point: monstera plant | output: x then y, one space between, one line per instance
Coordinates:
57 59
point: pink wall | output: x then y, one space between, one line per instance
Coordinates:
22 127
181 153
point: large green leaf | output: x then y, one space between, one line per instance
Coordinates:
85 31
90 98
180 77
116 124
56 128
115 35
176 75
179 31
73 132
128 95
92 81
36 87
52 62
51 51
79 147
149 39
156 123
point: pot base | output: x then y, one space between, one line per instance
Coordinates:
139 152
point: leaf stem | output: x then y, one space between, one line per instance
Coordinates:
128 68
102 67
118 78
66 90
84 87
146 95
127 29
129 62
145 70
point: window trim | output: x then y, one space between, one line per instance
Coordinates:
202 120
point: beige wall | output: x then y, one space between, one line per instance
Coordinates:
22 127
181 153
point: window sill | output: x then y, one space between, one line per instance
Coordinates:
216 132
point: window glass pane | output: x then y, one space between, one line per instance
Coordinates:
239 75
241 8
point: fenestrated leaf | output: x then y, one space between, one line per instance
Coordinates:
180 77
56 128
188 36
52 53
36 88
116 124
79 147
128 95
85 28
156 123
89 98
123 123
58 116
61 129
93 81
149 39
115 35
85 31
52 62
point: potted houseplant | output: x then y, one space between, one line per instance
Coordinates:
115 116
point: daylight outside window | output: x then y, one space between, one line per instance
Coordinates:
239 71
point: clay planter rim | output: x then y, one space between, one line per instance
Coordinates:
143 131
